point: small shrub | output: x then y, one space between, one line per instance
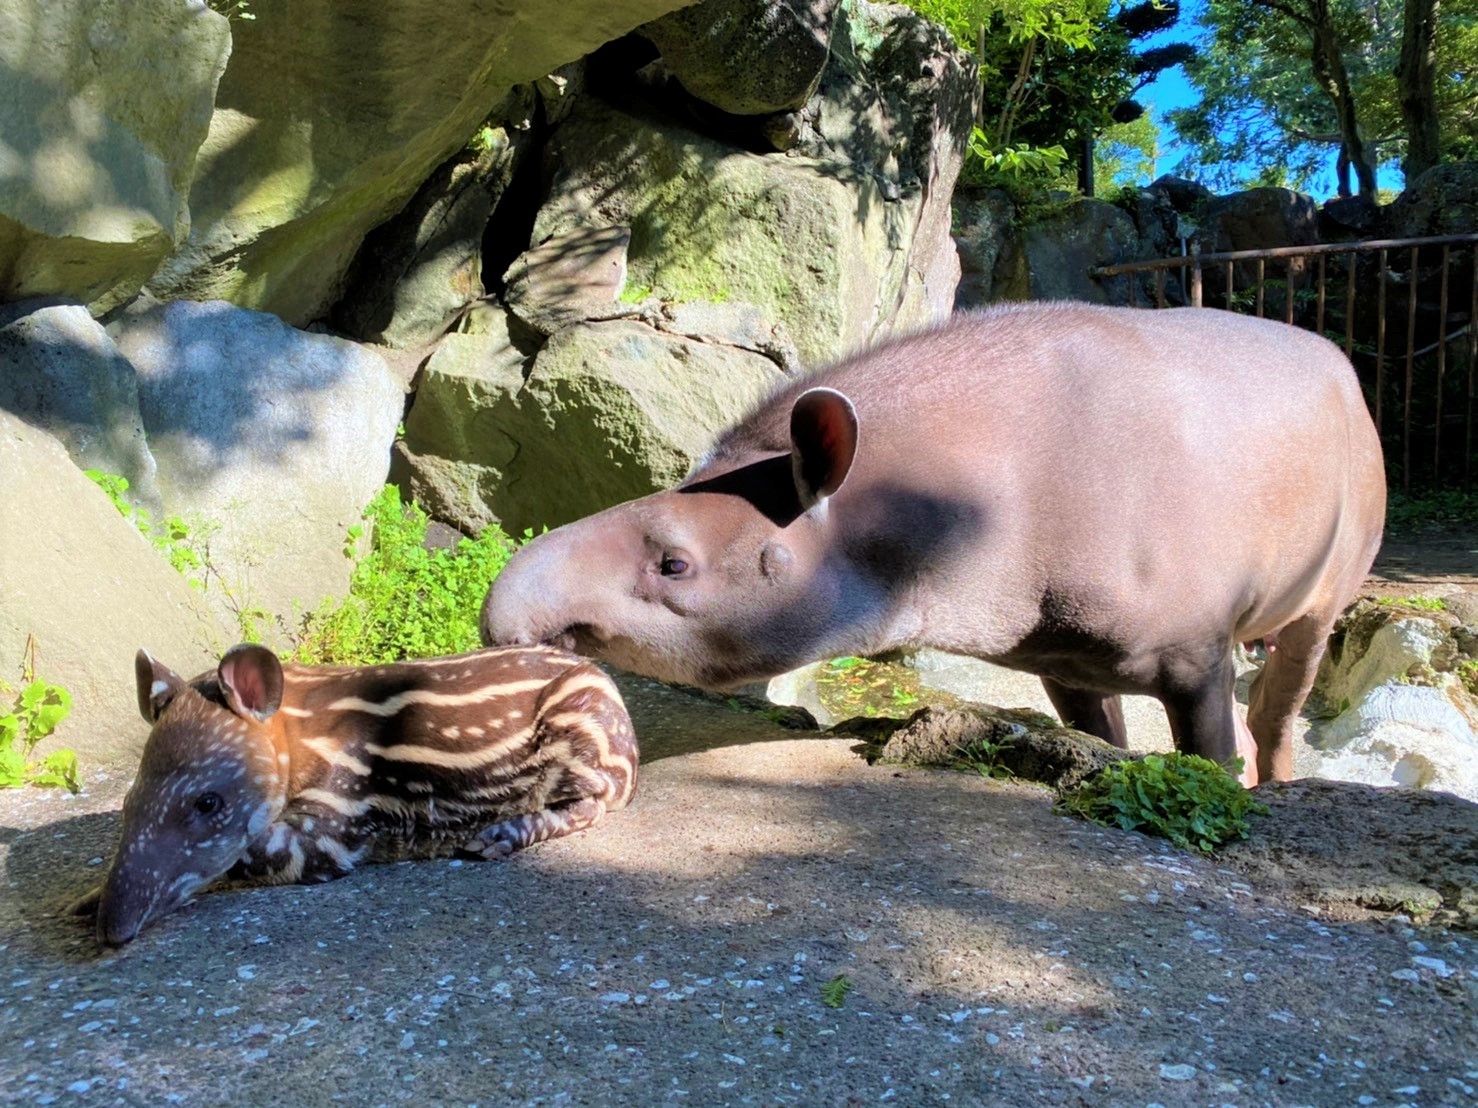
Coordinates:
36 709
184 546
405 601
1191 801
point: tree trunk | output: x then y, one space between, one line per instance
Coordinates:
1334 79
1416 78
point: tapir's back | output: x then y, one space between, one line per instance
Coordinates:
1180 457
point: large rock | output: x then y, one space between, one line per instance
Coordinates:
1398 710
1060 252
1258 219
415 272
985 231
81 579
1442 201
329 118
747 57
102 107
60 371
276 437
819 250
609 411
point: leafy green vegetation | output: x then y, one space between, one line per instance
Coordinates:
405 601
1467 672
834 992
36 709
1445 508
1421 603
181 545
1191 801
984 757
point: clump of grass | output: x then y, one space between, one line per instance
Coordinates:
405 601
984 757
1190 800
1420 603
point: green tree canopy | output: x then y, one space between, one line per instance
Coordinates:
1285 82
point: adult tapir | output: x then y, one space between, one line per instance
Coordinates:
1108 498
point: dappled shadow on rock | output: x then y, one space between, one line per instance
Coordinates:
1356 849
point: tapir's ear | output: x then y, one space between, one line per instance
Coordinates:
157 685
251 680
823 442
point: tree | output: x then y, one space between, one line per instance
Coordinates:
1416 74
1056 72
1127 153
1285 83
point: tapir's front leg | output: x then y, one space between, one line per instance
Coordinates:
296 850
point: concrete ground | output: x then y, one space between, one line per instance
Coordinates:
997 953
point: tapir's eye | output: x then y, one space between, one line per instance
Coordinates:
208 803
673 567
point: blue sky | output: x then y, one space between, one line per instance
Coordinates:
1171 90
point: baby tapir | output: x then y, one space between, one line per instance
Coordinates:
273 773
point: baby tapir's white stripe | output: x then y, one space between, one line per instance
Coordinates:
401 701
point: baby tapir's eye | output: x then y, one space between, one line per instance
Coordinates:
673 567
208 803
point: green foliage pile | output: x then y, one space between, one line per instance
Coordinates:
1191 801
36 709
405 601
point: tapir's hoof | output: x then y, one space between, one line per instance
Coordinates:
494 843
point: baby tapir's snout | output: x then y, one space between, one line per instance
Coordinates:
270 773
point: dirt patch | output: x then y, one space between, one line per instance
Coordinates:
1354 850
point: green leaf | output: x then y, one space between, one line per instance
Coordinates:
12 768
834 992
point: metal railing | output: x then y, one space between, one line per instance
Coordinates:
1239 279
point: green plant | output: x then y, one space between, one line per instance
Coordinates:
1467 672
36 710
1017 164
1448 508
984 757
405 601
1190 800
1421 603
834 992
184 546
635 294
233 9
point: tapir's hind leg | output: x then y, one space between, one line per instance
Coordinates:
1089 711
498 840
1279 691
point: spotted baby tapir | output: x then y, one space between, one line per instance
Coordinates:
273 774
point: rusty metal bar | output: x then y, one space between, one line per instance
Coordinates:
1380 342
1350 308
1159 288
1472 373
1441 365
1319 324
1231 284
1261 270
1411 285
1133 298
1367 246
1288 294
1196 283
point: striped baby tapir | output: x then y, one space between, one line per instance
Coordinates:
270 773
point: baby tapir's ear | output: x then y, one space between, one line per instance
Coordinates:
157 685
823 442
251 680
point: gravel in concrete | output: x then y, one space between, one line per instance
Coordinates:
997 954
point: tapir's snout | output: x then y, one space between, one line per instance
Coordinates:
123 909
531 600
